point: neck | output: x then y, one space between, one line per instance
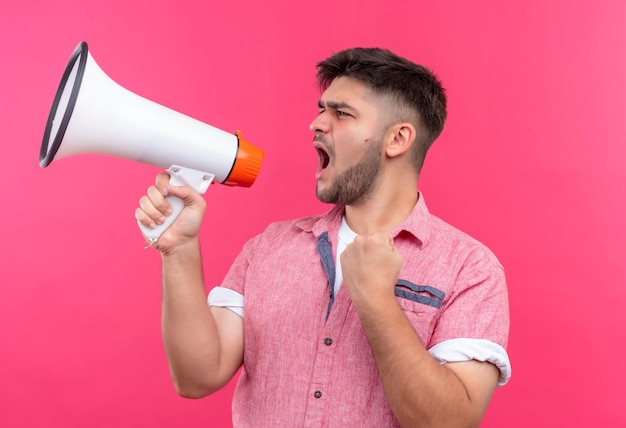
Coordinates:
385 210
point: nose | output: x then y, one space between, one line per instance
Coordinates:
320 123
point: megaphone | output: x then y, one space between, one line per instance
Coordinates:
93 114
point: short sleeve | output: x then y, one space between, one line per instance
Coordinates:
478 307
226 298
457 350
235 278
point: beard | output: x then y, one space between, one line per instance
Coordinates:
356 184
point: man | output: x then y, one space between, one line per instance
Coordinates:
374 314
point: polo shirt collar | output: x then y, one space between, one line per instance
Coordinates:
328 222
417 223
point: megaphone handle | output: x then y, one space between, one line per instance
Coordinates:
179 176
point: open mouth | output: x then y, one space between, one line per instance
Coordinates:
323 158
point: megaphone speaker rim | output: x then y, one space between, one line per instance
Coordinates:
48 150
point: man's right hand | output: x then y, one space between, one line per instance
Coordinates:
203 344
153 208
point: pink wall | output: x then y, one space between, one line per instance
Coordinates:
531 163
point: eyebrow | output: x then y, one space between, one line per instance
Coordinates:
334 105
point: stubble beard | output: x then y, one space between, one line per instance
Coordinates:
355 185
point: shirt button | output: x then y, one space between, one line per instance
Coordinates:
317 394
328 341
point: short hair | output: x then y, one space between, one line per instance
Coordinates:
410 86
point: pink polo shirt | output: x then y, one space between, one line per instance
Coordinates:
307 362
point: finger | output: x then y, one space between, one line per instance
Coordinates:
150 212
158 201
144 219
162 183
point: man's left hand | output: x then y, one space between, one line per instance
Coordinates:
370 266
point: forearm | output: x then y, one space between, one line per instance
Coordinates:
420 391
190 333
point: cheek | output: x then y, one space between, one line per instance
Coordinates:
350 143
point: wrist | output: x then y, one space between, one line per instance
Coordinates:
181 250
373 304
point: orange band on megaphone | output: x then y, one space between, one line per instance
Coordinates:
247 164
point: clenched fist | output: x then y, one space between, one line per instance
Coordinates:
371 265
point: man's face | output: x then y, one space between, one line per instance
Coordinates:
348 140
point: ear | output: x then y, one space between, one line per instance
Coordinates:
400 138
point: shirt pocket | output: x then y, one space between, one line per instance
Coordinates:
421 304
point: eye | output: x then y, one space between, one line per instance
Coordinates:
341 113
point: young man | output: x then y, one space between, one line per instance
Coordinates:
374 314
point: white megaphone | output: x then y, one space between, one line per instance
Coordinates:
93 114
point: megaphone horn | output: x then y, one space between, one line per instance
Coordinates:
93 114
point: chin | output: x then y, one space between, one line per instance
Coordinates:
321 195
326 197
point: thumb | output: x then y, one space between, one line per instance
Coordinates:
187 193
387 237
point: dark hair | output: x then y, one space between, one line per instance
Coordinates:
410 85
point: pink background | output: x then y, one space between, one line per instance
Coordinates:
531 163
